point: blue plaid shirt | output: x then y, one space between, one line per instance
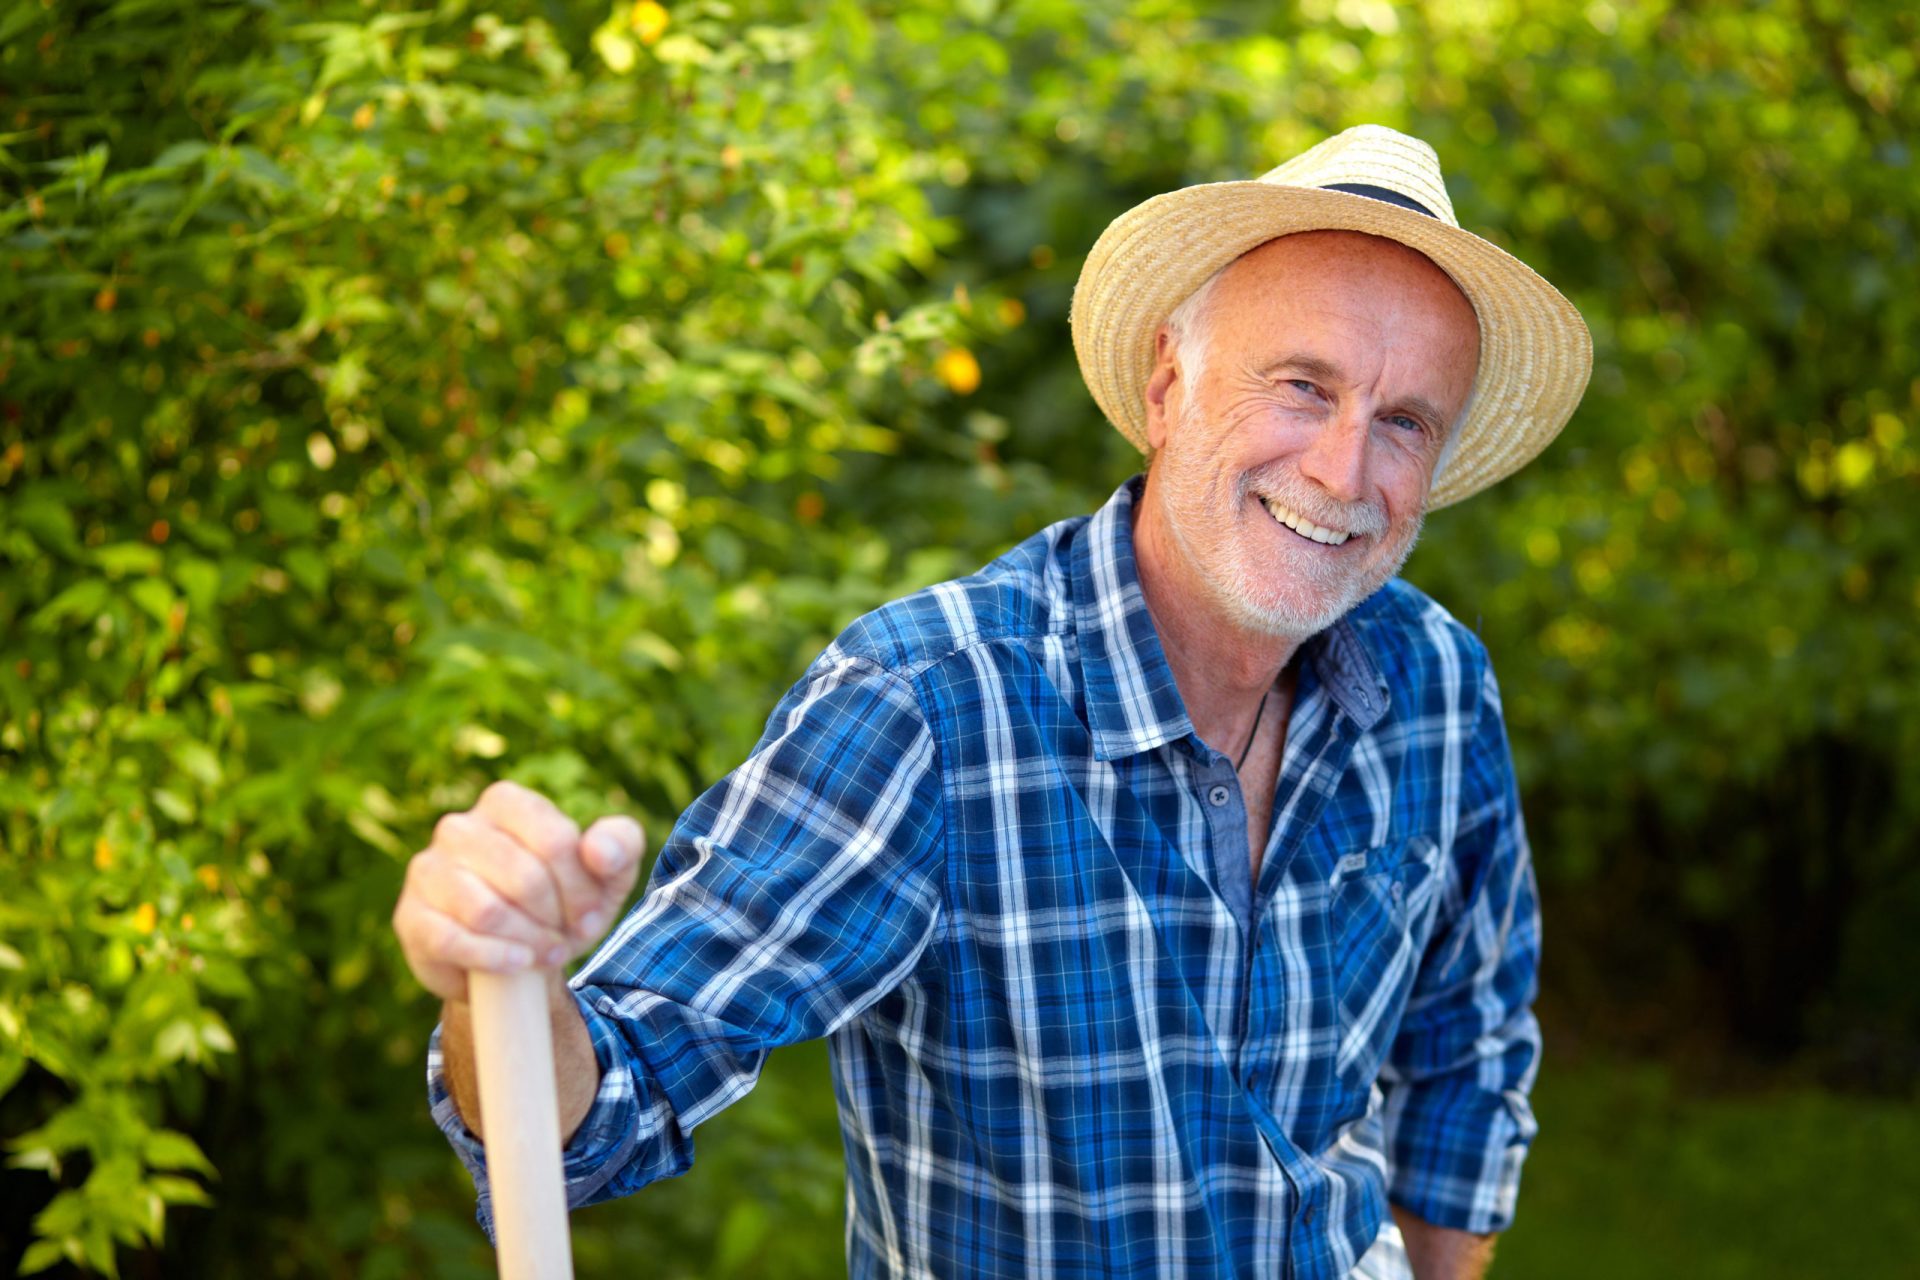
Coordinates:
981 849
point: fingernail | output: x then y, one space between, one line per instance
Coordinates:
616 852
592 923
556 956
517 957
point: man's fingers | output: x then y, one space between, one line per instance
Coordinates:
443 940
515 872
539 825
461 894
530 818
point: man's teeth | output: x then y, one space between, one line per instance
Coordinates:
1303 526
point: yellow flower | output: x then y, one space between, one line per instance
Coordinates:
146 917
959 370
209 877
649 21
363 116
103 853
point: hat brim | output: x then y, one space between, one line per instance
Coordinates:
1535 351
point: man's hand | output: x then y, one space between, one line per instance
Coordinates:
511 884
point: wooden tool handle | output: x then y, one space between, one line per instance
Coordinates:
520 1114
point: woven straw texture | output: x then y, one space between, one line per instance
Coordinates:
1535 351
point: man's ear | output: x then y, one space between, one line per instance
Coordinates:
1166 373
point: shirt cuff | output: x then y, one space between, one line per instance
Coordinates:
600 1147
1457 1150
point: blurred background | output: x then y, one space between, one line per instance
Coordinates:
398 397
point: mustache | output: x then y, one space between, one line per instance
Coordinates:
1292 490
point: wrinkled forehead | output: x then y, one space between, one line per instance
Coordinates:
1342 287
1354 260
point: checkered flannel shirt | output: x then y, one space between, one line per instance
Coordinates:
981 849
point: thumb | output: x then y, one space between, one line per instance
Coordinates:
612 848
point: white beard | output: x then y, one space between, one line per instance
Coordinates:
1316 591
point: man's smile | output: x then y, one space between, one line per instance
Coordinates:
1299 524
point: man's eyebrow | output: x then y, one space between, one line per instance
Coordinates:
1313 366
1323 370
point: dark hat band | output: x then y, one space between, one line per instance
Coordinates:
1381 194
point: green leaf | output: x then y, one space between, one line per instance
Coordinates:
375 833
288 516
173 804
214 1034
177 1040
682 49
13 1064
45 515
35 1157
308 569
81 602
199 579
154 596
42 1254
167 1149
180 154
179 1190
98 1245
257 171
198 762
122 558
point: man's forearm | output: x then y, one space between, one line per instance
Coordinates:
1442 1253
576 1070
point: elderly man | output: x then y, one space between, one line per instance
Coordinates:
1161 888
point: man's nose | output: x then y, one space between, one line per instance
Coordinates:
1337 455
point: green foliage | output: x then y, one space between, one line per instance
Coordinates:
396 398
1703 603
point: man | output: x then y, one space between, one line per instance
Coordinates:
1162 888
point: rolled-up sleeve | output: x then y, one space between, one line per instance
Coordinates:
1458 1123
789 898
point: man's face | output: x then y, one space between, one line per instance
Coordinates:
1292 478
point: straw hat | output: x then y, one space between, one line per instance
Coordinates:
1535 352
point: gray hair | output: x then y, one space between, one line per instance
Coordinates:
1189 333
1452 441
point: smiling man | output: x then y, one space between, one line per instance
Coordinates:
1300 402
1162 888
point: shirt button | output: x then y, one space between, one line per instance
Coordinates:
1217 795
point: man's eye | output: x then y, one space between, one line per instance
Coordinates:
1403 421
1303 386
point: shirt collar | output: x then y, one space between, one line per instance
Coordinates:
1133 704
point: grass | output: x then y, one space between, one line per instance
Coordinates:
1632 1176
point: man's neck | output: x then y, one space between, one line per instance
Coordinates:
1222 668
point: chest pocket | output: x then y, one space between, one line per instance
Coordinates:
1380 913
